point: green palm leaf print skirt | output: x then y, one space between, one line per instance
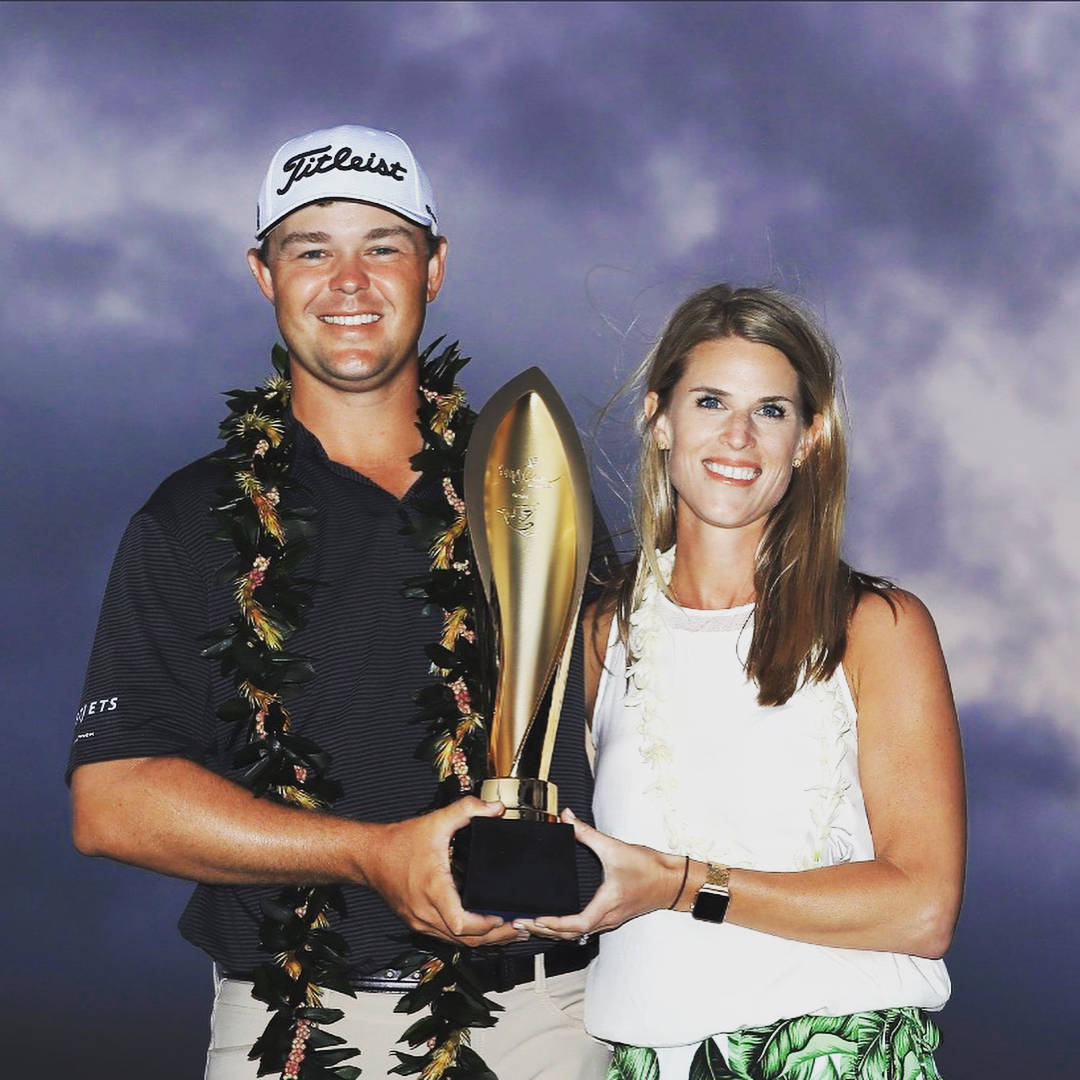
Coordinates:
890 1044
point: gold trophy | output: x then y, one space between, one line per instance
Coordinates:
529 509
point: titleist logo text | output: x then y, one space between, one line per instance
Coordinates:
319 160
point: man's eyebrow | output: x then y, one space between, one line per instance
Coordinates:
388 230
304 238
383 232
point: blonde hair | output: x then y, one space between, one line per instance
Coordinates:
805 593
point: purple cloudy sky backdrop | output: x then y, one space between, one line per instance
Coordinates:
911 169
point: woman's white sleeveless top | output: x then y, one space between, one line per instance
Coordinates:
688 762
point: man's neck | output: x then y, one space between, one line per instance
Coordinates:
372 432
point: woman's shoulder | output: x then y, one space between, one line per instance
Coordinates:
890 629
885 610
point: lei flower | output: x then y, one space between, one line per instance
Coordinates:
262 514
828 841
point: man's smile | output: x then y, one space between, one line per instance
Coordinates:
350 320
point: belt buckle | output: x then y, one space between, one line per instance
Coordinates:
387 981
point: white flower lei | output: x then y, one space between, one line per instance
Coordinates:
829 843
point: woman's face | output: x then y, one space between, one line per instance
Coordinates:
733 427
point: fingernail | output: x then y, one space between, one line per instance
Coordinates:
520 927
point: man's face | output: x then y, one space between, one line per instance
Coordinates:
350 283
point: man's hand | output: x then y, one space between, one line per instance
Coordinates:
409 866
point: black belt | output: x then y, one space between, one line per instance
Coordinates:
502 971
495 971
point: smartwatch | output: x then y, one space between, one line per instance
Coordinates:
711 902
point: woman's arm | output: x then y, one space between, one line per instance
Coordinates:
904 900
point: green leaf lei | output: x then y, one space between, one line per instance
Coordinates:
262 514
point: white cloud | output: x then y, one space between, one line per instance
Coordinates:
68 169
959 42
1040 149
981 412
441 28
688 201
699 189
115 308
971 420
70 172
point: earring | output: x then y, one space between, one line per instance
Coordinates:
662 446
796 462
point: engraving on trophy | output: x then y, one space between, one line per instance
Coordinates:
521 516
528 475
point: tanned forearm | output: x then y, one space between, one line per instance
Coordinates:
862 905
173 816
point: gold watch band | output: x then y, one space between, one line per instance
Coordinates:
717 874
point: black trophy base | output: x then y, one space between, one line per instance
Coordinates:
519 869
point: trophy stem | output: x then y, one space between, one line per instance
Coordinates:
558 689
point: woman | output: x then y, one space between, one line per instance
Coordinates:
777 747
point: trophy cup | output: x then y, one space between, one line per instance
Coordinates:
529 510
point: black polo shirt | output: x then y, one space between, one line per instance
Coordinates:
149 693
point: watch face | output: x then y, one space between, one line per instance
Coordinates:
710 904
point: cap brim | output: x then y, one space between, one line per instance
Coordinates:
422 220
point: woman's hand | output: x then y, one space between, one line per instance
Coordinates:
636 880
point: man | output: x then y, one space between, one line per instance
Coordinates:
350 257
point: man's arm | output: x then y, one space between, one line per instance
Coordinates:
171 815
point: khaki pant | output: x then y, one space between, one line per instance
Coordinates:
539 1036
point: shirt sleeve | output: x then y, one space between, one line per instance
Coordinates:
148 691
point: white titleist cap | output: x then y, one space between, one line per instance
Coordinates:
347 162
